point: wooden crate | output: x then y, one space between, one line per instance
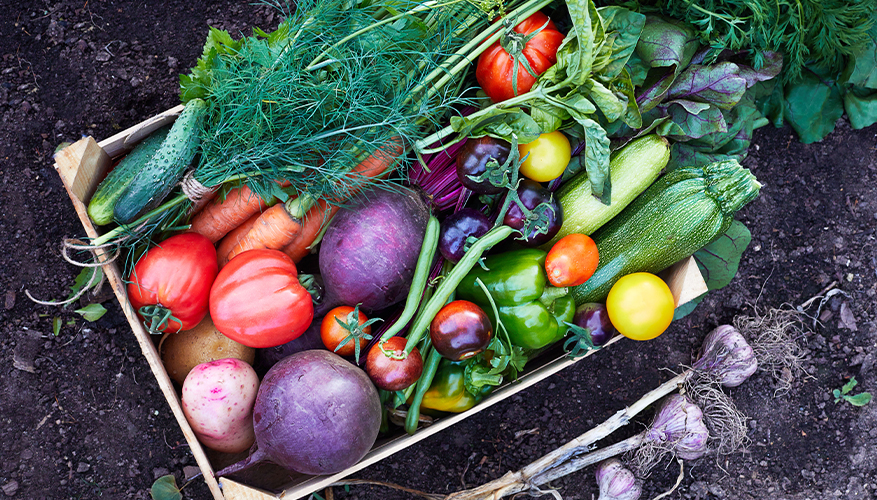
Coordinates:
83 164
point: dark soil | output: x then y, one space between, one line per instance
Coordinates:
82 416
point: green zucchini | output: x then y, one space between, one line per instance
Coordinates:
631 171
679 214
165 169
100 208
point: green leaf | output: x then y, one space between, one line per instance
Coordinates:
596 155
165 488
83 278
695 120
623 87
718 262
860 399
849 386
56 325
861 107
812 106
719 84
92 312
575 56
609 104
500 124
623 28
668 45
861 70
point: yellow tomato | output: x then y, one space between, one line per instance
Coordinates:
548 157
640 306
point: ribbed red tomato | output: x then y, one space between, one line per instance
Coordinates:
170 284
496 66
257 300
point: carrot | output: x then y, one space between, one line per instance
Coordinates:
278 226
314 221
222 215
227 244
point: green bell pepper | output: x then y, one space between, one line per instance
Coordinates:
448 393
532 311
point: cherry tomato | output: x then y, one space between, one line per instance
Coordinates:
572 260
460 330
533 194
640 306
496 67
258 301
457 228
396 371
333 332
169 285
546 158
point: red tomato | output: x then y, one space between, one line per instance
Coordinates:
175 278
395 372
334 333
572 260
258 301
495 66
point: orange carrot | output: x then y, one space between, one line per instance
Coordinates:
274 229
227 244
278 226
223 215
314 221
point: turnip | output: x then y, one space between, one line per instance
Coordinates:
218 398
370 249
315 414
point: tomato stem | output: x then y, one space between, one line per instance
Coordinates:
156 317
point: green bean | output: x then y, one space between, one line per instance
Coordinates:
429 370
451 280
419 281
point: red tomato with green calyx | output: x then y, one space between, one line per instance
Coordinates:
496 65
169 285
257 300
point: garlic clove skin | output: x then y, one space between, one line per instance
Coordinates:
616 482
726 355
679 426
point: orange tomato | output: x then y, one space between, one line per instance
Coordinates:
572 260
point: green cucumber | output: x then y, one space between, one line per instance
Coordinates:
100 208
634 168
165 169
677 215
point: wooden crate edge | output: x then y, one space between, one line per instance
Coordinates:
67 164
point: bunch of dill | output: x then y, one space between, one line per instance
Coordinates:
819 34
311 100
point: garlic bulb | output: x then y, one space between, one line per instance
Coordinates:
726 355
616 482
679 427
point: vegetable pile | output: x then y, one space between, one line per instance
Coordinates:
394 206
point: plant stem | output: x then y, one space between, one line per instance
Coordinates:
516 482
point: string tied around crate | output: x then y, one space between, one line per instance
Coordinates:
95 281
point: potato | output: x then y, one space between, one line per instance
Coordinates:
218 399
182 351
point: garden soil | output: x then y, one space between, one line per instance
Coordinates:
81 415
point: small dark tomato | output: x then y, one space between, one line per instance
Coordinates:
533 194
460 330
594 318
396 371
456 228
472 161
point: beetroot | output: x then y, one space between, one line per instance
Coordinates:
315 413
370 249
